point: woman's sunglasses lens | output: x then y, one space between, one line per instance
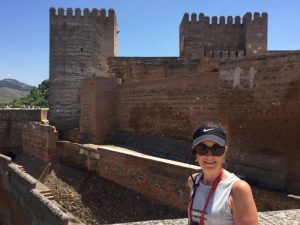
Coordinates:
217 150
201 150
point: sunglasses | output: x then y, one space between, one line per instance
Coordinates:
216 150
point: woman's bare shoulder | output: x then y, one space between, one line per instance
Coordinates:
242 204
241 187
190 181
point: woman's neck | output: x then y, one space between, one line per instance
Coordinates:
210 176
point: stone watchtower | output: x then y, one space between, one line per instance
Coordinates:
201 37
80 43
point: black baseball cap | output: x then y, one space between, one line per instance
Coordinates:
209 132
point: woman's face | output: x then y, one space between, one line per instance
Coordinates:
209 161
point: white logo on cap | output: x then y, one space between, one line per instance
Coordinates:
205 130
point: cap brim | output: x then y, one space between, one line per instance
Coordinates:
209 137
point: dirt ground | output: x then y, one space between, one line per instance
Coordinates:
98 201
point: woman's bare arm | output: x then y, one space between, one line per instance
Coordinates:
243 205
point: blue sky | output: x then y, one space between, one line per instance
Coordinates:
147 28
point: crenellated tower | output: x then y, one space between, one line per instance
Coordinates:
80 43
202 36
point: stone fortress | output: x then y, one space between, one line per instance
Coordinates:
130 119
81 43
224 73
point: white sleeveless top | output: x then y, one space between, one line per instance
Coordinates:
217 211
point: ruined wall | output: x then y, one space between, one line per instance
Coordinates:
26 201
259 102
11 124
98 109
79 46
201 36
40 141
158 178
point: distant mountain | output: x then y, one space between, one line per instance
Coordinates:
11 89
15 84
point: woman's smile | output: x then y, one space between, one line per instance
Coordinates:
210 162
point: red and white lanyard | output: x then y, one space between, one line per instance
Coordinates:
211 192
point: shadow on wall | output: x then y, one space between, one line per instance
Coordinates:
163 147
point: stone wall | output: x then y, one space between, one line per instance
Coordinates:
26 201
141 68
256 99
172 107
202 36
161 179
40 141
80 43
98 109
11 124
259 102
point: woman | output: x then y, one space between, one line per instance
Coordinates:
223 197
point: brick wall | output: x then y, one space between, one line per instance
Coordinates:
171 107
141 68
98 104
161 179
256 99
11 124
259 102
26 201
40 141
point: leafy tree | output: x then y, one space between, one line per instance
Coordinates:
38 97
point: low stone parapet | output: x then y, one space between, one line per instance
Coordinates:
161 179
40 141
26 201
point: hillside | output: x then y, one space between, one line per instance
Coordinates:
9 94
14 84
11 89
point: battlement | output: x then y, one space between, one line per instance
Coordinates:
222 55
100 15
69 12
200 34
255 18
